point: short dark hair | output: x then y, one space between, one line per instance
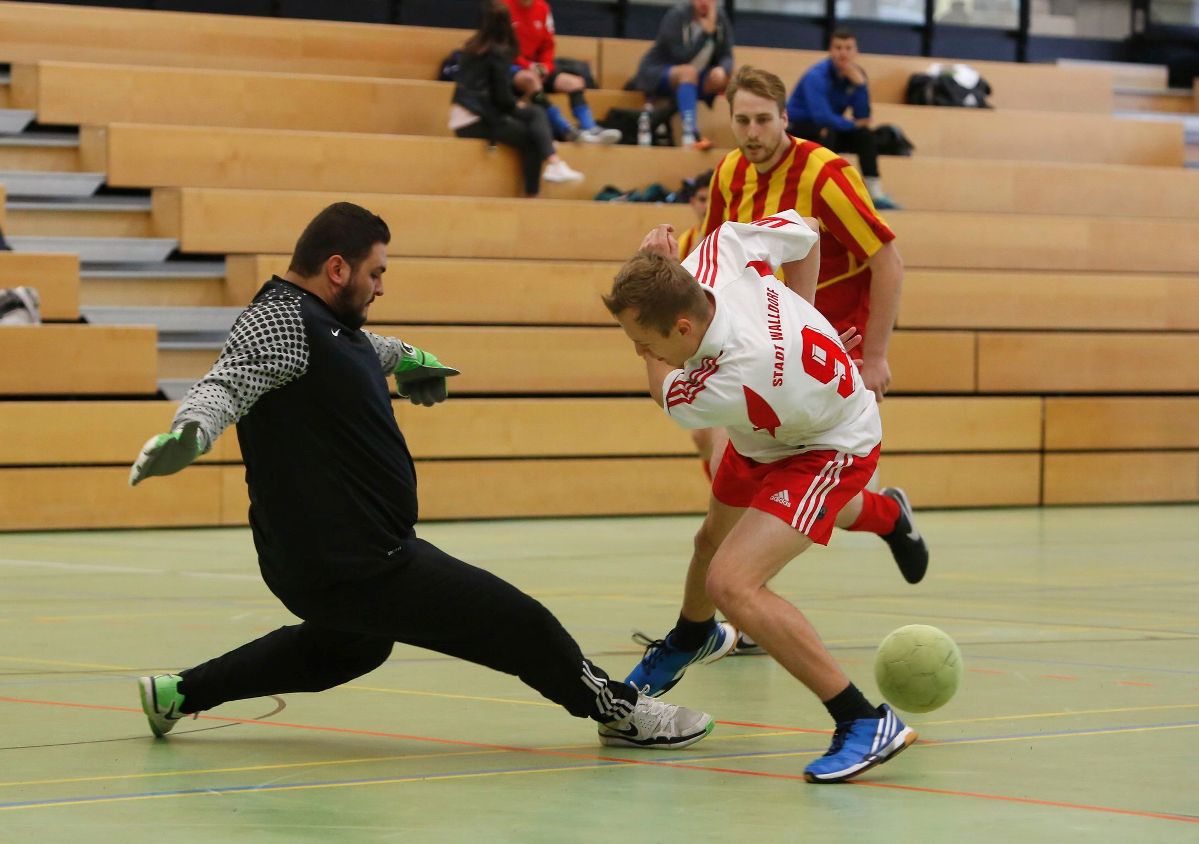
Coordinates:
659 288
692 186
343 229
843 33
759 82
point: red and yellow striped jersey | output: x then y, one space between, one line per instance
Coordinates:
816 182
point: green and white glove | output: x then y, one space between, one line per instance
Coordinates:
420 376
166 454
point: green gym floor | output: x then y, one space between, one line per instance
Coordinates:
1078 717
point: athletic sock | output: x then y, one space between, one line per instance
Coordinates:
849 705
874 186
582 113
687 96
689 635
879 514
557 119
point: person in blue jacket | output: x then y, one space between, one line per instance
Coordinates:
817 106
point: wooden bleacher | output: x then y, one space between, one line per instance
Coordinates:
1035 271
90 360
261 221
140 155
56 278
75 93
1020 86
146 155
36 32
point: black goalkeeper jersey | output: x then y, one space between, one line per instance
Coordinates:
332 484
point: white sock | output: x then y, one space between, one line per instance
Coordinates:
874 186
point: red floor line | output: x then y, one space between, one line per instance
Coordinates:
1031 801
349 731
788 728
650 763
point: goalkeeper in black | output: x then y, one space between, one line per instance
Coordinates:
333 508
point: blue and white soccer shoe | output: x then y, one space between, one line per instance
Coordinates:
663 664
860 745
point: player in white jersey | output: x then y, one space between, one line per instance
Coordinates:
726 343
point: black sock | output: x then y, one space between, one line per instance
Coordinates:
849 705
689 635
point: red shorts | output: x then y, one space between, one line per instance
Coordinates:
806 491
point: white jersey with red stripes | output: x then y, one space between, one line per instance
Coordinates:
770 368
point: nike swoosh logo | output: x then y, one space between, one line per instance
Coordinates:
914 535
631 731
336 331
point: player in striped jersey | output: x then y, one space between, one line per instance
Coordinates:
726 343
861 272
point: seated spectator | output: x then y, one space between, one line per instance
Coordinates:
692 58
485 107
695 193
534 71
817 106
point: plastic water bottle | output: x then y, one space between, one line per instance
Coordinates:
645 128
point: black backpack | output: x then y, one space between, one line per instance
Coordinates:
625 120
942 89
890 140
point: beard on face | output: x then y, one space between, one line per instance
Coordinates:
347 311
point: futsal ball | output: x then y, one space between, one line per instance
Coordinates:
918 668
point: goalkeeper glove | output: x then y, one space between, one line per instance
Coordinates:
166 454
420 376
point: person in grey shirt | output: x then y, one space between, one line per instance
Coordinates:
692 58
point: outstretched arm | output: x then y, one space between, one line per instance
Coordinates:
420 376
266 349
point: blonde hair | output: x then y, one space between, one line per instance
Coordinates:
760 82
659 288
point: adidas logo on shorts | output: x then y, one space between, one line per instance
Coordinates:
781 497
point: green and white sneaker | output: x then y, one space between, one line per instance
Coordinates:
161 702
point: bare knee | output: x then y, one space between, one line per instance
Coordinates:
526 82
729 591
716 81
568 83
684 73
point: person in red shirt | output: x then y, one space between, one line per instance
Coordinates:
534 72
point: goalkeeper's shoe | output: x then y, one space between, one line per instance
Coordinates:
663 665
161 702
655 724
860 745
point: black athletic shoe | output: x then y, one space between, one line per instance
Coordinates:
746 647
907 545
